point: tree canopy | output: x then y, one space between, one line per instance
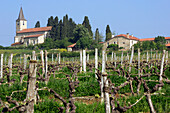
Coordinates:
37 24
108 33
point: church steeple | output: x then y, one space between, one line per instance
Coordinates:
21 15
21 22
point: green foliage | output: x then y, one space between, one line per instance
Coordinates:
108 33
82 37
37 24
113 47
87 25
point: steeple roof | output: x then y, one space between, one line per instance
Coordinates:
21 15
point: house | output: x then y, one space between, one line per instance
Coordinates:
31 36
71 47
123 40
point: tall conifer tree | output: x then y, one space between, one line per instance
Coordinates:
108 33
86 23
97 36
37 24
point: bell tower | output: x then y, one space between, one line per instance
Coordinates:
21 22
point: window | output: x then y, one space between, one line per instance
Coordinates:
114 42
17 23
23 23
107 43
123 42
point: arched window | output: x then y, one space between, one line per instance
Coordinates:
23 22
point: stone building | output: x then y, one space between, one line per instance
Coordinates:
123 40
31 36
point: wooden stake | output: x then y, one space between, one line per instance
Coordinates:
96 62
81 59
106 93
31 91
2 56
42 61
84 60
131 58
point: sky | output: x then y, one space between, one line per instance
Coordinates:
142 18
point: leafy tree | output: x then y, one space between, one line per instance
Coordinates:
82 37
160 39
146 45
113 47
108 33
37 24
153 45
86 24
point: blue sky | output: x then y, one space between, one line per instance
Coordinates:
142 18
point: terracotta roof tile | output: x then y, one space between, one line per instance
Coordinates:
147 39
72 45
30 36
101 42
168 44
35 29
17 43
167 38
130 36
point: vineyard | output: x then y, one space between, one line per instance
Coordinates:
102 82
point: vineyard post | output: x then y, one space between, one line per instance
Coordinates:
151 54
5 59
147 57
2 55
156 54
159 56
10 64
115 59
81 61
139 62
103 70
106 56
20 59
112 57
52 58
87 58
31 91
46 64
96 62
161 70
131 58
106 93
59 58
122 59
127 56
84 60
166 57
25 61
42 61
33 55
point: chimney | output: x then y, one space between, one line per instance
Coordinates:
127 35
132 35
113 36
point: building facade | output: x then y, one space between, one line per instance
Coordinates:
31 36
125 41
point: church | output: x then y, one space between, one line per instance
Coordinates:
29 36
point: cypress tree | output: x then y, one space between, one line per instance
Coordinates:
37 24
86 23
108 33
56 20
50 21
97 36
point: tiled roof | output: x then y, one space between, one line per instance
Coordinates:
30 36
17 43
168 44
35 29
151 39
147 39
72 45
167 38
130 36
